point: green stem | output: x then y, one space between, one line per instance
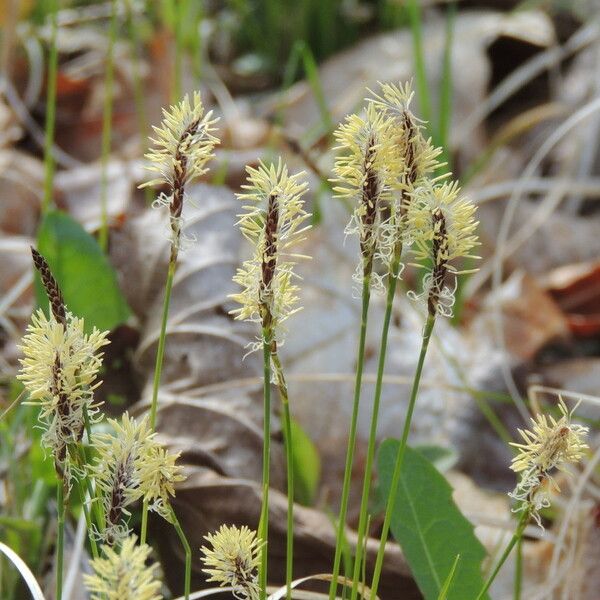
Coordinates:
515 538
160 353
289 455
181 9
144 525
364 503
50 112
414 14
138 89
106 127
188 554
96 502
60 541
366 296
519 570
389 509
263 526
88 519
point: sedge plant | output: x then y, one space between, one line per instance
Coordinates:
59 371
415 160
183 146
549 445
274 221
441 227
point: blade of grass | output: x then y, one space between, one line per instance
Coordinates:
107 126
47 200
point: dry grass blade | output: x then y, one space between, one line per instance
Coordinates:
28 577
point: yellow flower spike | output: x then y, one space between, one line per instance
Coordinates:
183 146
394 102
550 444
368 167
233 560
132 464
158 475
274 220
124 574
441 227
59 370
116 474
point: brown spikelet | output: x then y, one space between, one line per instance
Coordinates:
439 252
411 166
269 258
370 195
55 296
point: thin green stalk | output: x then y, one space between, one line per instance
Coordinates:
188 554
88 519
98 508
181 9
289 455
519 570
364 503
389 509
515 538
414 15
263 526
50 111
138 89
107 126
160 353
366 297
445 109
144 525
60 541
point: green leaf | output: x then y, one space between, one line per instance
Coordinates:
429 526
86 278
441 458
306 465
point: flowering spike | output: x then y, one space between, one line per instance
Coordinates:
131 464
234 560
59 371
183 146
548 445
57 304
367 166
442 227
124 574
274 221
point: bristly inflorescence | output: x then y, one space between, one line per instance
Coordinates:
123 574
131 464
59 370
442 227
183 146
274 220
233 560
419 161
366 168
550 444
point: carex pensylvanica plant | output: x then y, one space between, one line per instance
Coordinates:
123 573
59 371
183 146
233 560
274 221
549 446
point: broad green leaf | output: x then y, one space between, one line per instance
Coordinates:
86 278
441 458
306 464
430 528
